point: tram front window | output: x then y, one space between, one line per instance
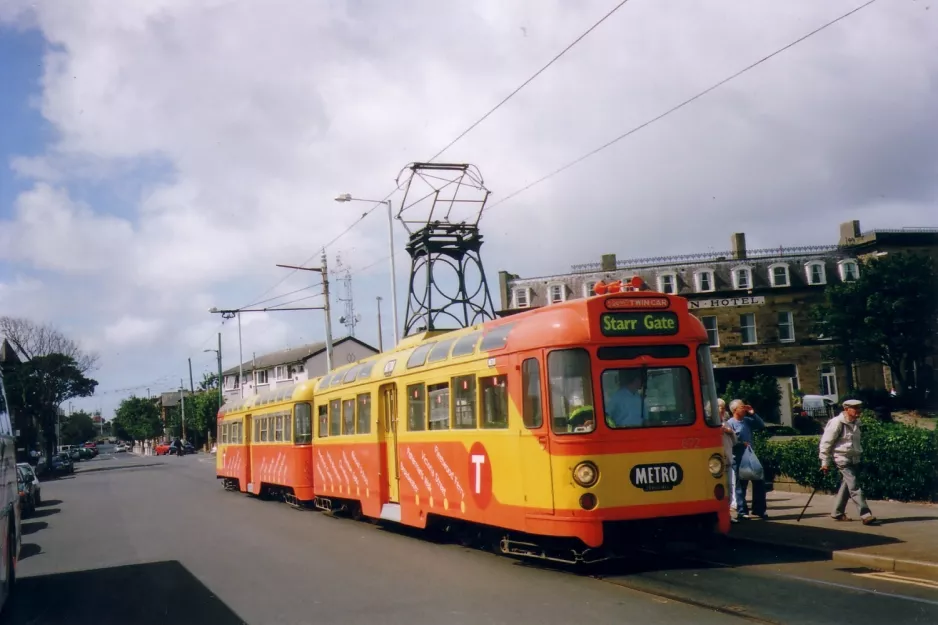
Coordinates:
648 397
571 392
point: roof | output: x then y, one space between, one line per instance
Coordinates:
291 355
171 398
7 353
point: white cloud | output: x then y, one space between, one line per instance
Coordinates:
239 121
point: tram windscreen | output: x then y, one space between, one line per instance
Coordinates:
648 397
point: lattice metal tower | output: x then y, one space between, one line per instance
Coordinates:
441 209
344 275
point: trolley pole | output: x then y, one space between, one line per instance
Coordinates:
380 342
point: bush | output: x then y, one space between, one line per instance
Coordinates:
899 461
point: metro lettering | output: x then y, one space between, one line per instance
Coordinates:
641 477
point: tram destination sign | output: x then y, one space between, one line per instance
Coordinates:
662 323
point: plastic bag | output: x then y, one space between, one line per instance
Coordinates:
749 467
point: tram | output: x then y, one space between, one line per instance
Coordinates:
565 432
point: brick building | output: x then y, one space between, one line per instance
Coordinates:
755 304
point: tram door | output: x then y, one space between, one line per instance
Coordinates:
247 438
387 423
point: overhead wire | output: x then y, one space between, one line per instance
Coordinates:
673 109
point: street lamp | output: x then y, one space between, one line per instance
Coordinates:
347 197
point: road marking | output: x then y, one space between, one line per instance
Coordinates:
900 579
878 593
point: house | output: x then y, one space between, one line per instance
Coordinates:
755 304
292 365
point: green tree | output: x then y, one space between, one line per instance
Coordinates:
78 428
889 315
761 392
137 418
209 382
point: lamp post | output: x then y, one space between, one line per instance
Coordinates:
221 397
347 197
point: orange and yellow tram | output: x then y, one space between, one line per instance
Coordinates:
562 432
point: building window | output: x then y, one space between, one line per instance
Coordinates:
705 282
281 373
588 288
747 328
667 283
828 380
815 273
260 377
557 293
779 275
786 327
742 278
849 270
713 335
521 298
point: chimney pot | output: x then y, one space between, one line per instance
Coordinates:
739 245
609 262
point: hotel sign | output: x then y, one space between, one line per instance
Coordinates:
726 302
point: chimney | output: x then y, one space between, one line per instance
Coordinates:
849 230
739 245
609 262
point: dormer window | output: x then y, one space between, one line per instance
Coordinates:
742 278
520 297
667 283
778 275
849 270
588 289
556 293
814 271
704 279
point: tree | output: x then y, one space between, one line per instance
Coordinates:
889 315
42 384
209 382
78 428
761 392
137 418
31 340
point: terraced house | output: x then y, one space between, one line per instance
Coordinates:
755 304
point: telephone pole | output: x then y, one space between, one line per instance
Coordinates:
191 384
380 342
324 271
182 403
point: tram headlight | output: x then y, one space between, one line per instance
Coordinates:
716 466
585 474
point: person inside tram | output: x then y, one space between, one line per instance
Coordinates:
627 407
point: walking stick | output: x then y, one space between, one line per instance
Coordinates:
806 505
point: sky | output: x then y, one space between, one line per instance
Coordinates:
159 158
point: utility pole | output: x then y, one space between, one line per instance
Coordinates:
380 342
221 397
182 402
240 359
191 385
254 371
324 271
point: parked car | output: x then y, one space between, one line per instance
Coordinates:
816 406
62 464
162 449
23 487
120 447
33 480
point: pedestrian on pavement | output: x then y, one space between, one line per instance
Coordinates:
744 422
841 440
729 441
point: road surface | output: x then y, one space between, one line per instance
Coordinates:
132 539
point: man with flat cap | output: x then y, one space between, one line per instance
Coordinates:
841 440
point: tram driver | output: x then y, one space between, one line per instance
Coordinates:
626 407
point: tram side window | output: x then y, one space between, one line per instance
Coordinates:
286 426
234 433
265 432
257 431
571 391
438 395
464 402
416 408
531 393
302 424
323 421
364 413
494 401
278 428
224 433
335 417
348 416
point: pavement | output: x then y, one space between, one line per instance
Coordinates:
130 539
906 541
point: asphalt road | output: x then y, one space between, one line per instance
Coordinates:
157 540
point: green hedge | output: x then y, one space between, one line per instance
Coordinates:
899 461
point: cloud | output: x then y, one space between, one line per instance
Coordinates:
197 145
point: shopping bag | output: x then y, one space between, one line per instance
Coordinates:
750 468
